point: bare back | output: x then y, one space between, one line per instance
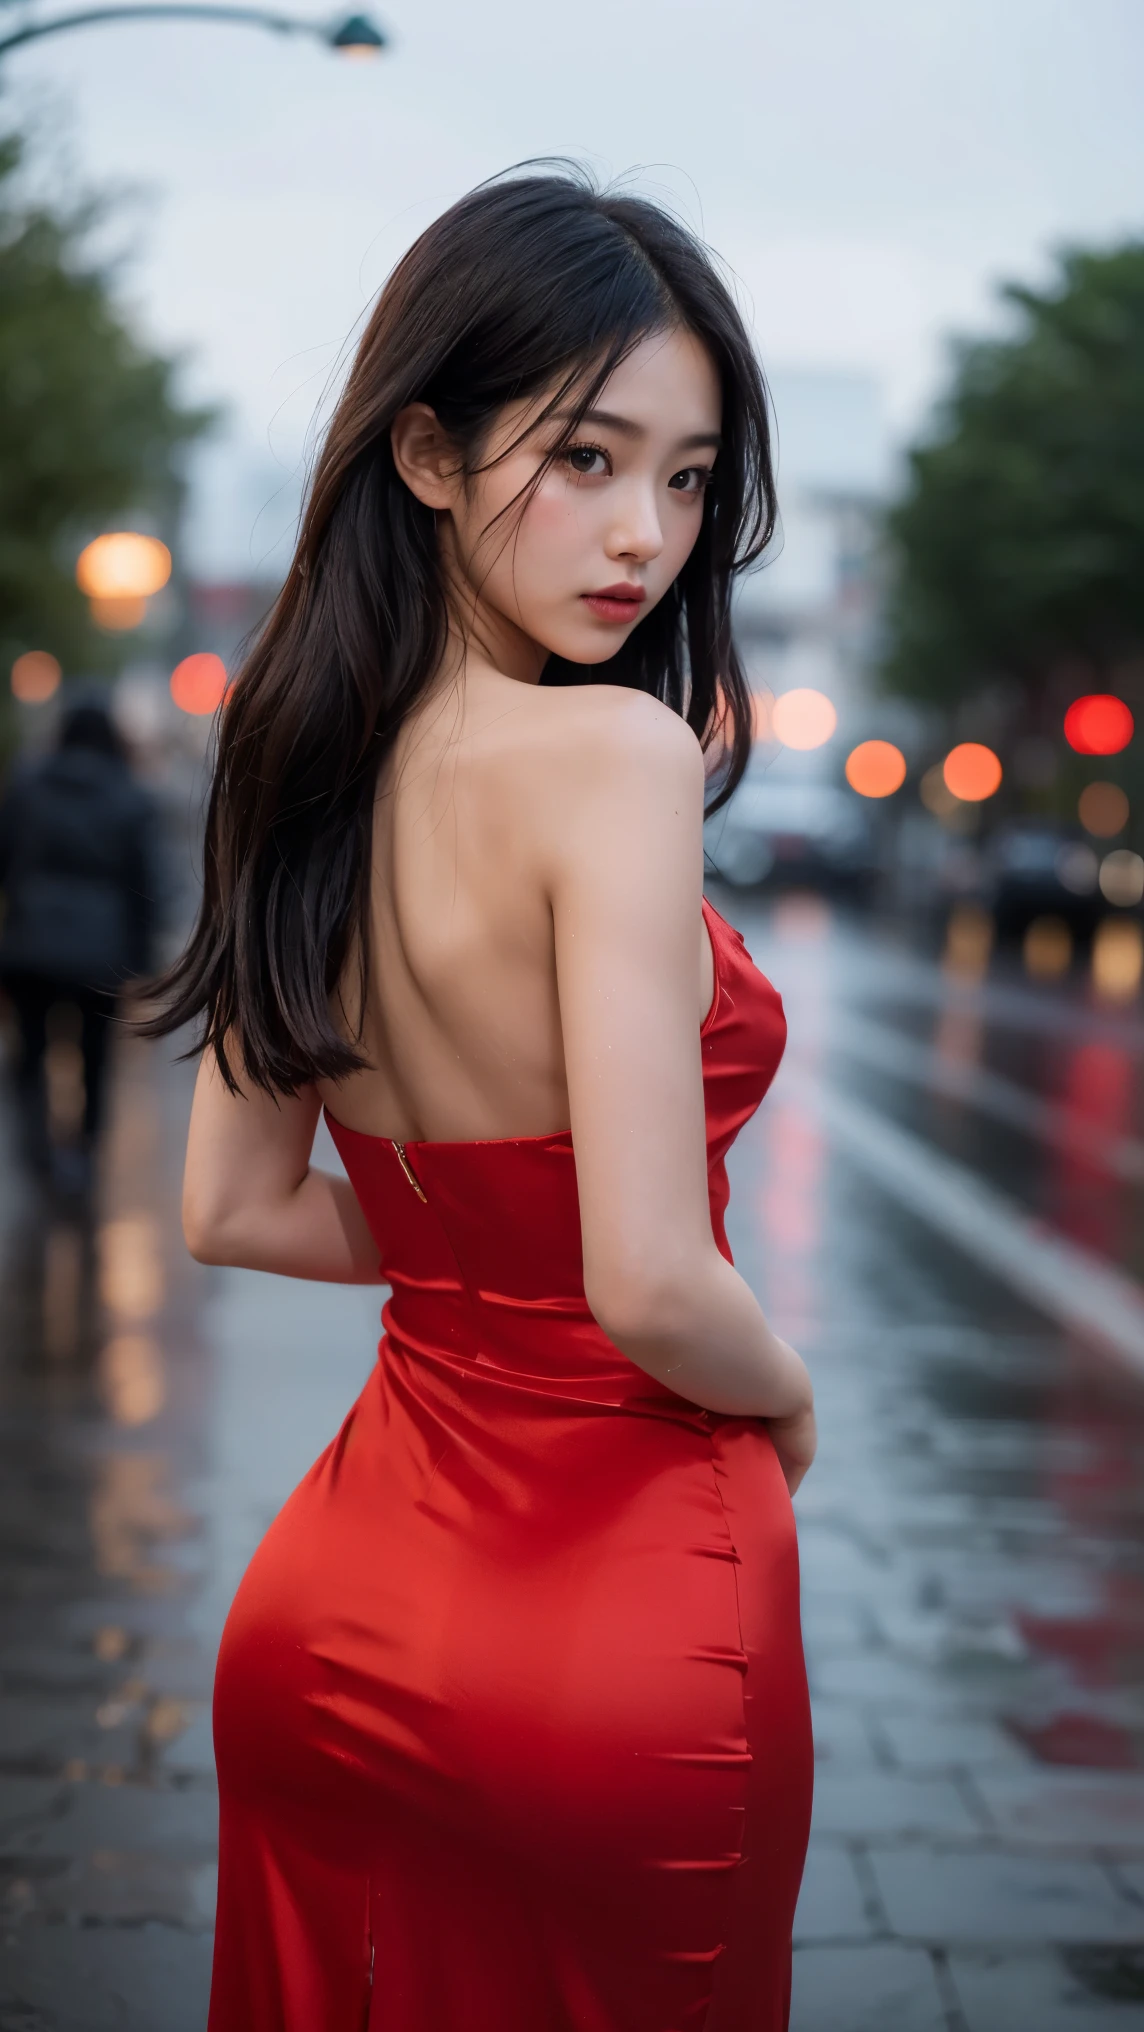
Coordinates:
461 1024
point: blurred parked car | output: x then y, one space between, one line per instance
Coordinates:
1036 868
806 832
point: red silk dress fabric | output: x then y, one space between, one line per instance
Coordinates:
511 1714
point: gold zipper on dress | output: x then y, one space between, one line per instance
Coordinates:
402 1159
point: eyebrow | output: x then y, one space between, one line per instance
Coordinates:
626 428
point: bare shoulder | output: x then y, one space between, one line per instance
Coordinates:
607 734
608 779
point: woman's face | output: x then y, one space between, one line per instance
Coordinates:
612 521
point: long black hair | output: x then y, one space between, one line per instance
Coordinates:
535 282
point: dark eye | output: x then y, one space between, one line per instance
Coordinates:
588 459
692 480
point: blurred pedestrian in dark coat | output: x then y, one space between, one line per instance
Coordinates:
82 875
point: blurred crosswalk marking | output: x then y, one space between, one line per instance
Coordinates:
1070 1283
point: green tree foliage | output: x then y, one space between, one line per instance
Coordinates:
1018 546
90 427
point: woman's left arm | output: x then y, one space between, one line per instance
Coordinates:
251 1197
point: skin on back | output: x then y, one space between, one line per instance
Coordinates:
461 1022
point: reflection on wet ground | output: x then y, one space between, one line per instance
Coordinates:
939 1204
973 1534
152 1417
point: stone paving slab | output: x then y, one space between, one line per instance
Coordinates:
926 1743
80 1819
839 1566
53 1669
25 1801
110 1887
831 1905
841 1735
192 1752
988 1898
849 1802
1103 1809
180 1669
46 1734
130 1979
881 1988
829 1624
891 1683
1036 1993
934 1640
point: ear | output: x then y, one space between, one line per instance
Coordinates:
425 456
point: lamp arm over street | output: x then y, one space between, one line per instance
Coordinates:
361 33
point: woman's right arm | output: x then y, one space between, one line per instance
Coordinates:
251 1197
624 840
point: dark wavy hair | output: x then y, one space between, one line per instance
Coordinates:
535 283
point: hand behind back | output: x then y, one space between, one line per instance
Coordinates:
795 1441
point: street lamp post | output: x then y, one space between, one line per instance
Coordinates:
356 35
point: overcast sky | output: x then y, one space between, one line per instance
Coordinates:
868 167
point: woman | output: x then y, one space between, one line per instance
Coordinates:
511 1714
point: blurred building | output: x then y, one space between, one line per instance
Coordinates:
809 616
238 537
222 613
242 512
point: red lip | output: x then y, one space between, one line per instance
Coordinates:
616 603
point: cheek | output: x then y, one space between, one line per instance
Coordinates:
540 562
558 521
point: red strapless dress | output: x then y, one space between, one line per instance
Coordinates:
511 1714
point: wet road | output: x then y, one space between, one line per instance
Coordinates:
940 1204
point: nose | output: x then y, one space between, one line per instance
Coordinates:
635 532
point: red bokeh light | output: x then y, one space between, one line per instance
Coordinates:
1098 724
199 683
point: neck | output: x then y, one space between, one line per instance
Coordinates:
480 633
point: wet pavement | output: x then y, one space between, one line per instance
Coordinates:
940 1204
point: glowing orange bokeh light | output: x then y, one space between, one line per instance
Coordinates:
35 677
971 772
123 566
875 769
118 612
1099 724
803 718
199 683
